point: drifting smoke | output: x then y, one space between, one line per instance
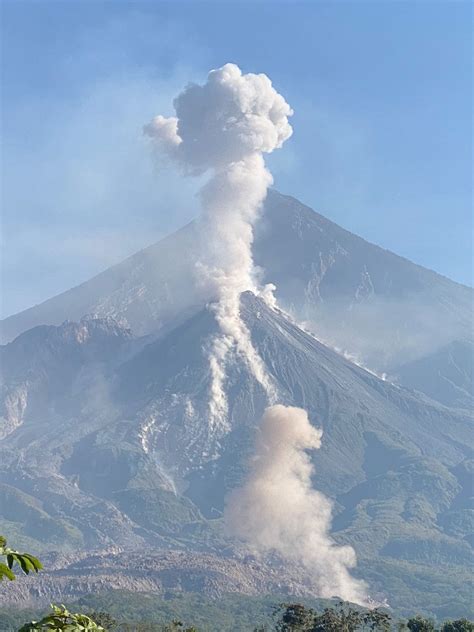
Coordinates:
225 126
277 510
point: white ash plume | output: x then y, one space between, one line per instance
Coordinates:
277 509
225 126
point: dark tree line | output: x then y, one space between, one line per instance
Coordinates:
299 618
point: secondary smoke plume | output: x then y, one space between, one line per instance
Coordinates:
277 510
225 126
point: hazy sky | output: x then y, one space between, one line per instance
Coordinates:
382 144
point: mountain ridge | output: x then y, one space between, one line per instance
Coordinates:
381 310
105 435
277 207
394 461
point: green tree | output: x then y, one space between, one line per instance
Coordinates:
298 618
10 558
104 619
338 619
332 621
295 618
377 620
460 625
419 624
61 620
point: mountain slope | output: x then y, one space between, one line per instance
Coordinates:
124 454
355 295
446 375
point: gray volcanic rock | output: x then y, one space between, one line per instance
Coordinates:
38 369
57 353
158 573
121 452
105 439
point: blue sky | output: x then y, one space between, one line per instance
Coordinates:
382 97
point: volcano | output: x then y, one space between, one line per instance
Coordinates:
107 444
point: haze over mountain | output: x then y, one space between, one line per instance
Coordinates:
381 309
105 426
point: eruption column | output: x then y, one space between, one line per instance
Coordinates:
225 126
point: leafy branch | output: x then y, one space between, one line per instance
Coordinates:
25 561
61 619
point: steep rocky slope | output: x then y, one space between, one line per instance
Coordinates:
117 449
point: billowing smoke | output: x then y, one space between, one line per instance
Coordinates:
225 126
277 510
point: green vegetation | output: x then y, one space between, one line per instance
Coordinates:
120 611
461 625
25 520
124 612
297 618
61 620
435 592
139 612
25 561
342 618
